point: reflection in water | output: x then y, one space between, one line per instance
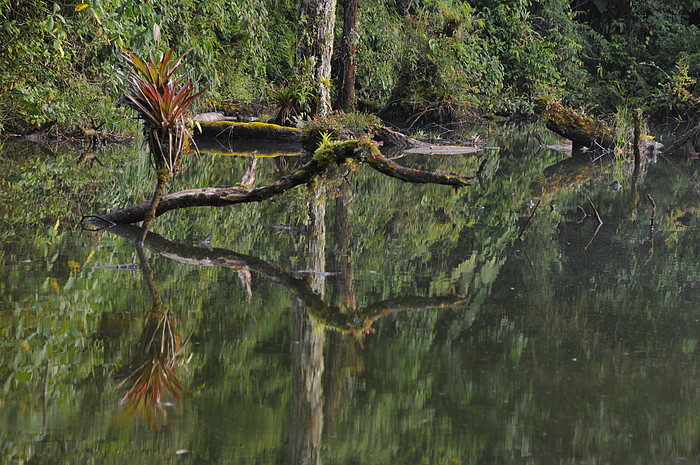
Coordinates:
310 315
568 349
306 406
149 380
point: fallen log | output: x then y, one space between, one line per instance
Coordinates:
224 129
328 154
220 127
392 138
692 135
583 131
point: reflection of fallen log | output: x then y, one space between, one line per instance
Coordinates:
246 147
571 172
583 131
328 154
356 321
692 135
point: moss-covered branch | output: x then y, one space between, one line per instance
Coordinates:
581 130
327 154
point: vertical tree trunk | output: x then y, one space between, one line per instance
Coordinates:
351 37
315 46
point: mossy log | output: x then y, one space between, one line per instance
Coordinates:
255 131
396 139
328 154
211 127
583 131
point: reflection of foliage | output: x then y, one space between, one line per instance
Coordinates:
37 185
484 383
151 382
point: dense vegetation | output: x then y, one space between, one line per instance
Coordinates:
418 60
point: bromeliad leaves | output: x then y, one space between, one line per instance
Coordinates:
153 91
161 100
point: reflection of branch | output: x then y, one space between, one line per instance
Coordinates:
595 211
595 233
651 228
687 175
529 219
325 314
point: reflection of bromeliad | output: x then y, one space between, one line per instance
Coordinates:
150 381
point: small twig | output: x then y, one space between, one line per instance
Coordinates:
45 394
598 157
585 215
88 217
480 171
595 210
248 178
532 214
653 212
539 138
595 233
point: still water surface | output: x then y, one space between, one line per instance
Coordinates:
365 321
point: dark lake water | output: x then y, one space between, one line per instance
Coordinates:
362 321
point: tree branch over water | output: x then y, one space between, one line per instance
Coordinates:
326 155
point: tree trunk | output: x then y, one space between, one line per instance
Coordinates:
351 37
315 46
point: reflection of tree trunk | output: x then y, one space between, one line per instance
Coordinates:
306 424
342 359
328 315
344 293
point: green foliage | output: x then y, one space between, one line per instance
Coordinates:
443 68
421 60
676 91
292 103
629 48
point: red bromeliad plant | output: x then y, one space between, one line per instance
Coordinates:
161 100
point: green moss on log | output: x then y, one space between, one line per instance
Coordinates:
236 130
581 130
